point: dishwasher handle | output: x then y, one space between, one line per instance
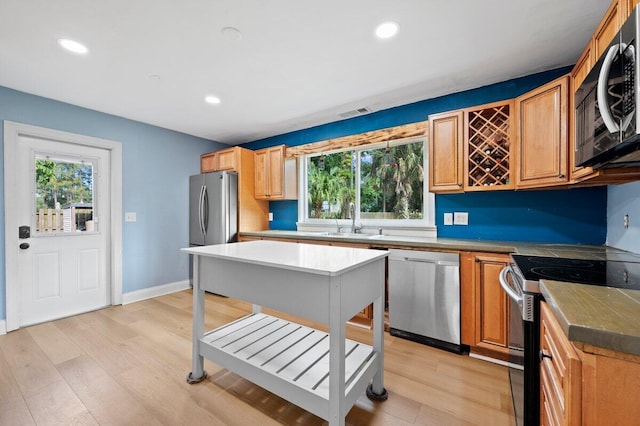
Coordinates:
504 283
435 262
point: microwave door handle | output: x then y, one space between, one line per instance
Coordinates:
603 78
630 54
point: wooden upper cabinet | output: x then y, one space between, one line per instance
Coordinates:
488 147
609 25
275 175
446 135
226 159
542 134
208 162
630 5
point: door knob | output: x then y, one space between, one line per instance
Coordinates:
24 246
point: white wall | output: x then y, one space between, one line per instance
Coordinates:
621 200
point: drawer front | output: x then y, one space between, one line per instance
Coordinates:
560 373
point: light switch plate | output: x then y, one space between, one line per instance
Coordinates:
448 218
129 216
270 216
460 218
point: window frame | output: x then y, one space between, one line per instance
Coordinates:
427 223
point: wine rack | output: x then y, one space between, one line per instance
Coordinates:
489 148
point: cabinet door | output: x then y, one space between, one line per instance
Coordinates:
608 27
445 152
227 160
262 174
276 172
492 305
560 374
541 126
208 163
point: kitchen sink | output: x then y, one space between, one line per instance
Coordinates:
359 235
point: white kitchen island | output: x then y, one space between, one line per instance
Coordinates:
324 373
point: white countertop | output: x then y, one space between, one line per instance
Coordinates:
310 258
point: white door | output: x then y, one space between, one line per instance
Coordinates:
63 214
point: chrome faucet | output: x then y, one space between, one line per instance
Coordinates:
352 212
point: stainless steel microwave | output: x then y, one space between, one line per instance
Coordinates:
607 103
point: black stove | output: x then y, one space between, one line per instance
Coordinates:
608 273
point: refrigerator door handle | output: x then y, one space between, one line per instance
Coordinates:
205 202
200 210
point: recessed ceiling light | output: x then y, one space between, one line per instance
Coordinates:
73 46
386 30
214 100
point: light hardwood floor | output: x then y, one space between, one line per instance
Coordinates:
126 365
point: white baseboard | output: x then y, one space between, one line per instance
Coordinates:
3 327
159 290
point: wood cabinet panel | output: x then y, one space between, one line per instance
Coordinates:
227 160
208 163
608 27
484 305
543 142
446 135
560 374
275 176
492 304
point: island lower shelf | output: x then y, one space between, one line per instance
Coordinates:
289 359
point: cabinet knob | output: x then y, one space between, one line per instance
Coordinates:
542 356
561 176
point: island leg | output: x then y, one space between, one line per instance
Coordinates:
197 361
337 336
376 390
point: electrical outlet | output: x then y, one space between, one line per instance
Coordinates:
448 218
460 218
626 221
129 216
270 216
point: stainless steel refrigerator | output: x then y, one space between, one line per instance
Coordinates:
213 208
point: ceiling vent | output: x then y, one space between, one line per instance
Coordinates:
355 112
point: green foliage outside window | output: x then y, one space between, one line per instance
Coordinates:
390 183
60 183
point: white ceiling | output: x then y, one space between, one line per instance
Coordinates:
299 63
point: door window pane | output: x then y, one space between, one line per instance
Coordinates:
63 195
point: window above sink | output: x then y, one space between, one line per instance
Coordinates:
384 181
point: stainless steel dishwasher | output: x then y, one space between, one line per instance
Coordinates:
424 297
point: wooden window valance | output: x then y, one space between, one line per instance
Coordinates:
377 136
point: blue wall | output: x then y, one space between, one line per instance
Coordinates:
156 167
560 216
624 200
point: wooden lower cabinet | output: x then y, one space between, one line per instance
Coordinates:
585 385
560 374
484 306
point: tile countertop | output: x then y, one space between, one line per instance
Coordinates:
596 316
